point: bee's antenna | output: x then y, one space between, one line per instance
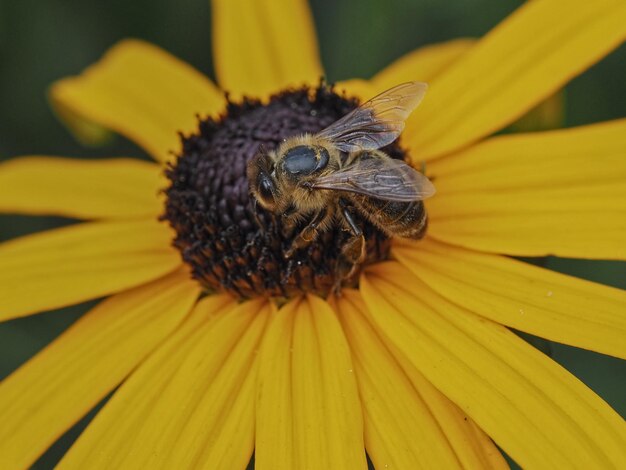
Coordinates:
257 215
261 150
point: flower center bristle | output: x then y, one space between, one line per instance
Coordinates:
210 207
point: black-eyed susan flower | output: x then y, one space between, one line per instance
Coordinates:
417 365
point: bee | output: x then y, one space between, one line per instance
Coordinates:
328 177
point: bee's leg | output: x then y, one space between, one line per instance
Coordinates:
257 215
353 252
307 235
264 225
287 226
422 170
288 222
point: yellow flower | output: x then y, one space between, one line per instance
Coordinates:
417 366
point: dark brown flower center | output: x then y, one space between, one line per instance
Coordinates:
210 207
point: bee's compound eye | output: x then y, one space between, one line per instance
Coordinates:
265 191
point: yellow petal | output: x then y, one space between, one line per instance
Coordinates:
576 234
518 64
89 189
308 408
190 404
72 264
261 46
274 404
473 447
356 88
87 133
141 92
423 64
560 192
560 158
547 304
536 411
52 391
427 62
408 423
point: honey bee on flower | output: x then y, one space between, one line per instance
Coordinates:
217 333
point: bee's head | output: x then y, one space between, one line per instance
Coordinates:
261 180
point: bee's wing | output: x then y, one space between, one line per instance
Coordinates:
381 178
378 122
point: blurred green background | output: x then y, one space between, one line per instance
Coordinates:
41 41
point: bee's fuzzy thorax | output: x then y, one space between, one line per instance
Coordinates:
301 139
